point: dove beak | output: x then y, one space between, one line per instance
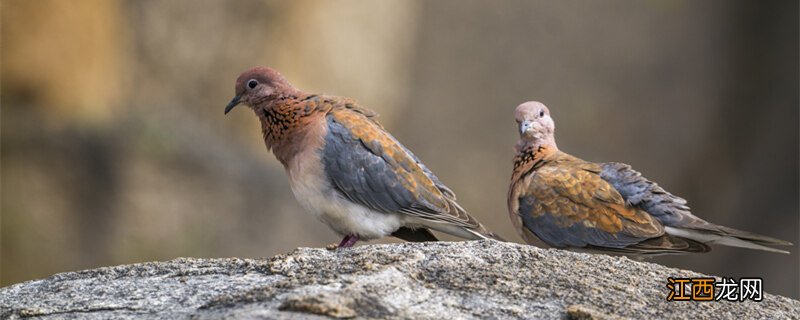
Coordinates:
233 103
525 126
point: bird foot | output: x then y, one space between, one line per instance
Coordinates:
348 241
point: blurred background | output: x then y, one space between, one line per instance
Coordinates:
115 149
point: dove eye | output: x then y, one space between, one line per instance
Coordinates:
541 113
252 83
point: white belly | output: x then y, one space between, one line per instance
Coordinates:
314 192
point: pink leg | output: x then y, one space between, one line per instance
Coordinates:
348 241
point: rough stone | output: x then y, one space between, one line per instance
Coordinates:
442 280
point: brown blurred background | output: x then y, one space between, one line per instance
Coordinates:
115 149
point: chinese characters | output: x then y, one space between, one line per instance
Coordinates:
708 289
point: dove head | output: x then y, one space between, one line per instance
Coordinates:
259 85
535 124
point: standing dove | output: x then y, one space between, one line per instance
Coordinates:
346 170
567 202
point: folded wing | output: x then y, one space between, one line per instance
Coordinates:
370 167
567 206
673 212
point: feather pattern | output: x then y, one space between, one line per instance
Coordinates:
567 202
369 166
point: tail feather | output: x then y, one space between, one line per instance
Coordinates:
482 233
728 237
752 237
665 244
477 232
737 242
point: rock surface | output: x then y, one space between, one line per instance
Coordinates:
442 280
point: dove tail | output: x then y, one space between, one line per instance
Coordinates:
752 237
475 233
482 233
663 245
729 237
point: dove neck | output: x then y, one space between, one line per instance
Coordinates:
531 145
285 124
529 153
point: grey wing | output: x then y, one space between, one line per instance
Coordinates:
443 188
368 174
669 209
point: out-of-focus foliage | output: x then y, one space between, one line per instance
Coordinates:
115 149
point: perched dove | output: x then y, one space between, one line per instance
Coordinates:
570 203
346 170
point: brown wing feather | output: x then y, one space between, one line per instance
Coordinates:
565 203
582 196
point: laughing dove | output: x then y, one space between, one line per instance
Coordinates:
346 170
570 203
